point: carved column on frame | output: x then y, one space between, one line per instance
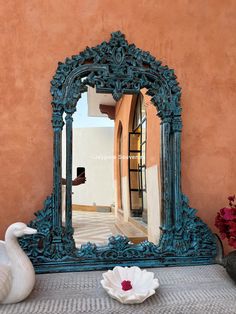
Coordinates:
69 141
71 97
177 128
57 123
166 174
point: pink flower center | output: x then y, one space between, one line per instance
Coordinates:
126 285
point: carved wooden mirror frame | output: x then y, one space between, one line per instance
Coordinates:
118 68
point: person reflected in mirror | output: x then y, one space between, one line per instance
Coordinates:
81 179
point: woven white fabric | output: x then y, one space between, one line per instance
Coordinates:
183 290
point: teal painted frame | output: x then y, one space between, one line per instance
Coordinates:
118 68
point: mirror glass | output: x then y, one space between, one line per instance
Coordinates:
115 169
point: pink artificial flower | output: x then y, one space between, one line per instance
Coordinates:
225 221
232 227
231 198
229 213
222 211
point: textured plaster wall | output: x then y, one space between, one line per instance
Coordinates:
196 38
153 134
123 111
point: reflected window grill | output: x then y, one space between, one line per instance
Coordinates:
137 161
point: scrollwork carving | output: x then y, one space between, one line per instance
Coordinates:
119 68
193 238
49 243
177 124
125 69
57 121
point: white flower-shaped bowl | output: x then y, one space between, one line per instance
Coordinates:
138 284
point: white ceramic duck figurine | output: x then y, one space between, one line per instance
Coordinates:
17 276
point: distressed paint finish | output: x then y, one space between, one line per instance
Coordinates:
176 155
119 68
69 141
166 176
57 123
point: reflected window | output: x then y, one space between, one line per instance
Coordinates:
137 161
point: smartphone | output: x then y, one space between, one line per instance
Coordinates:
80 170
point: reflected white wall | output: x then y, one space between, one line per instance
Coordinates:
153 203
93 149
125 198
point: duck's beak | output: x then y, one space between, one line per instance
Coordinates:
29 230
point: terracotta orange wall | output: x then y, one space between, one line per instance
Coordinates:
123 109
196 38
153 134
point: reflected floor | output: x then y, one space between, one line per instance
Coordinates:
94 227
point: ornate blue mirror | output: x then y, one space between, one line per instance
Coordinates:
117 68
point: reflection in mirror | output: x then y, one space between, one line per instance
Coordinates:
115 169
93 141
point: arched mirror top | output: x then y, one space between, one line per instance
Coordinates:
116 67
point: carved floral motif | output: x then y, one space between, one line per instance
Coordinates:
119 68
123 69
